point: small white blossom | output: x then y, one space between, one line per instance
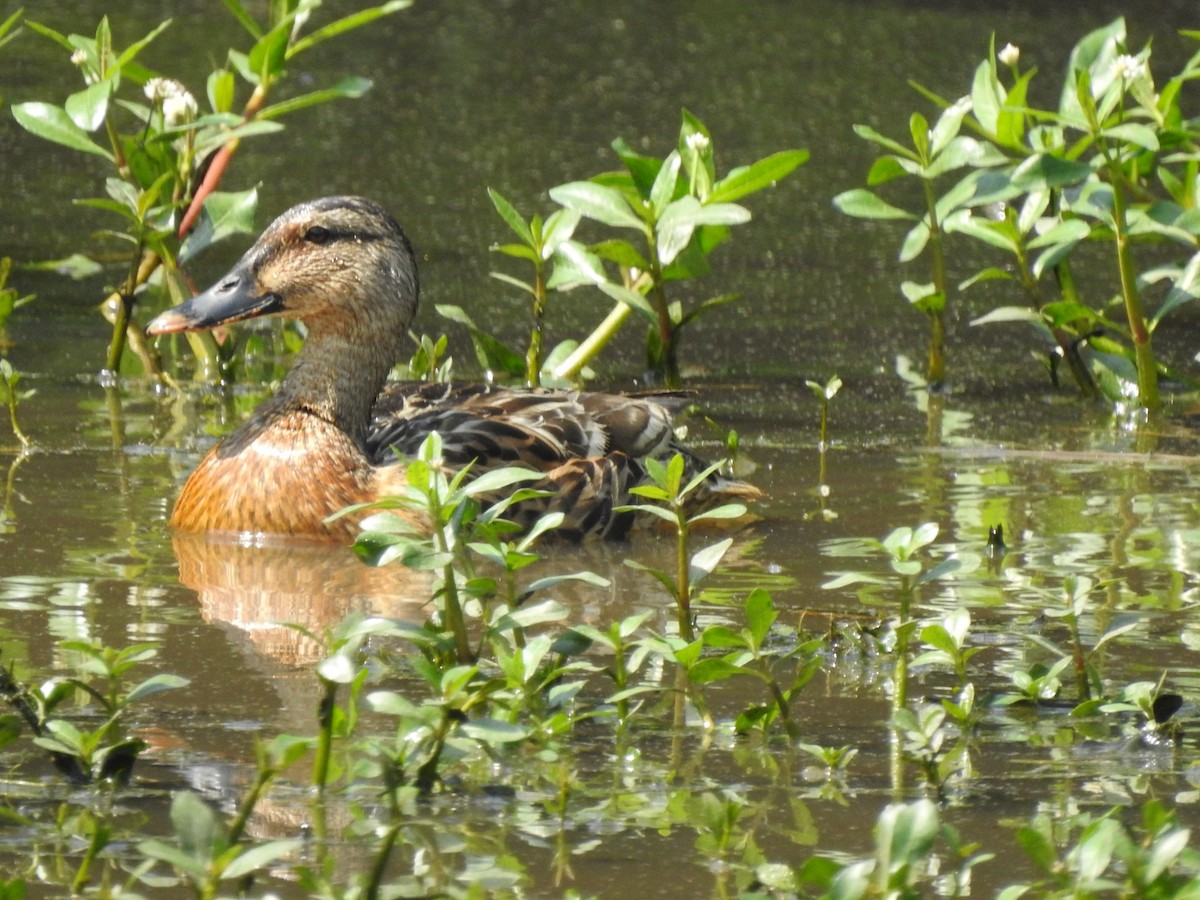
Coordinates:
697 142
1009 55
156 89
1128 68
79 58
179 108
178 105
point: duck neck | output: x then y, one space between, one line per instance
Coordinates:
337 376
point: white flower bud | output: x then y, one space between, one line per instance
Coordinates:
179 108
1128 68
1009 55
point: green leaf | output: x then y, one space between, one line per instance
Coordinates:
1067 231
632 299
760 615
1185 289
945 131
222 215
559 228
1095 52
863 204
575 265
965 151
663 188
254 858
53 124
681 218
239 13
494 731
868 133
129 53
197 869
200 834
88 107
1010 314
1047 170
991 273
595 201
1141 135
713 669
884 169
762 174
499 479
914 241
265 60
347 87
987 96
347 23
705 561
154 685
511 217
725 511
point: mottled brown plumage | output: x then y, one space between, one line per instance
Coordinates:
334 434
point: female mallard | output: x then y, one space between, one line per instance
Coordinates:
330 436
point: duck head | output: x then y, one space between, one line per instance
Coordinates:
342 265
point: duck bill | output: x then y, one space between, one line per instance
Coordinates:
231 299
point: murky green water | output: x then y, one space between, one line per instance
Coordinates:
521 96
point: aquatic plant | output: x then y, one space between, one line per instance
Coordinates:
168 157
824 394
12 398
681 212
1112 164
105 752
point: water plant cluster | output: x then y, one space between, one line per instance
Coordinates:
581 729
1113 165
584 731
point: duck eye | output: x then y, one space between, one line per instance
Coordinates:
317 234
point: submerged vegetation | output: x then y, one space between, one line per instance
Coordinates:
501 715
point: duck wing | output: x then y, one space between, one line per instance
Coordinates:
592 447
535 427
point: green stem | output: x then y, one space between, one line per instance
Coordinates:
1140 335
570 367
533 358
261 780
100 835
682 561
12 417
379 866
325 734
667 358
935 372
781 702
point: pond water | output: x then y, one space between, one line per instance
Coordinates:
521 96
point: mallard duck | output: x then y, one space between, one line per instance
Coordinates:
335 432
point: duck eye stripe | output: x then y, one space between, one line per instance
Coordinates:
319 234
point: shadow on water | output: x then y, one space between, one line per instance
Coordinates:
520 96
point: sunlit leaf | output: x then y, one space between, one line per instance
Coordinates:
762 174
53 124
88 107
223 214
865 205
254 858
511 217
347 87
604 204
347 23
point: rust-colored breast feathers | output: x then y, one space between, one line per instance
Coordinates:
283 478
